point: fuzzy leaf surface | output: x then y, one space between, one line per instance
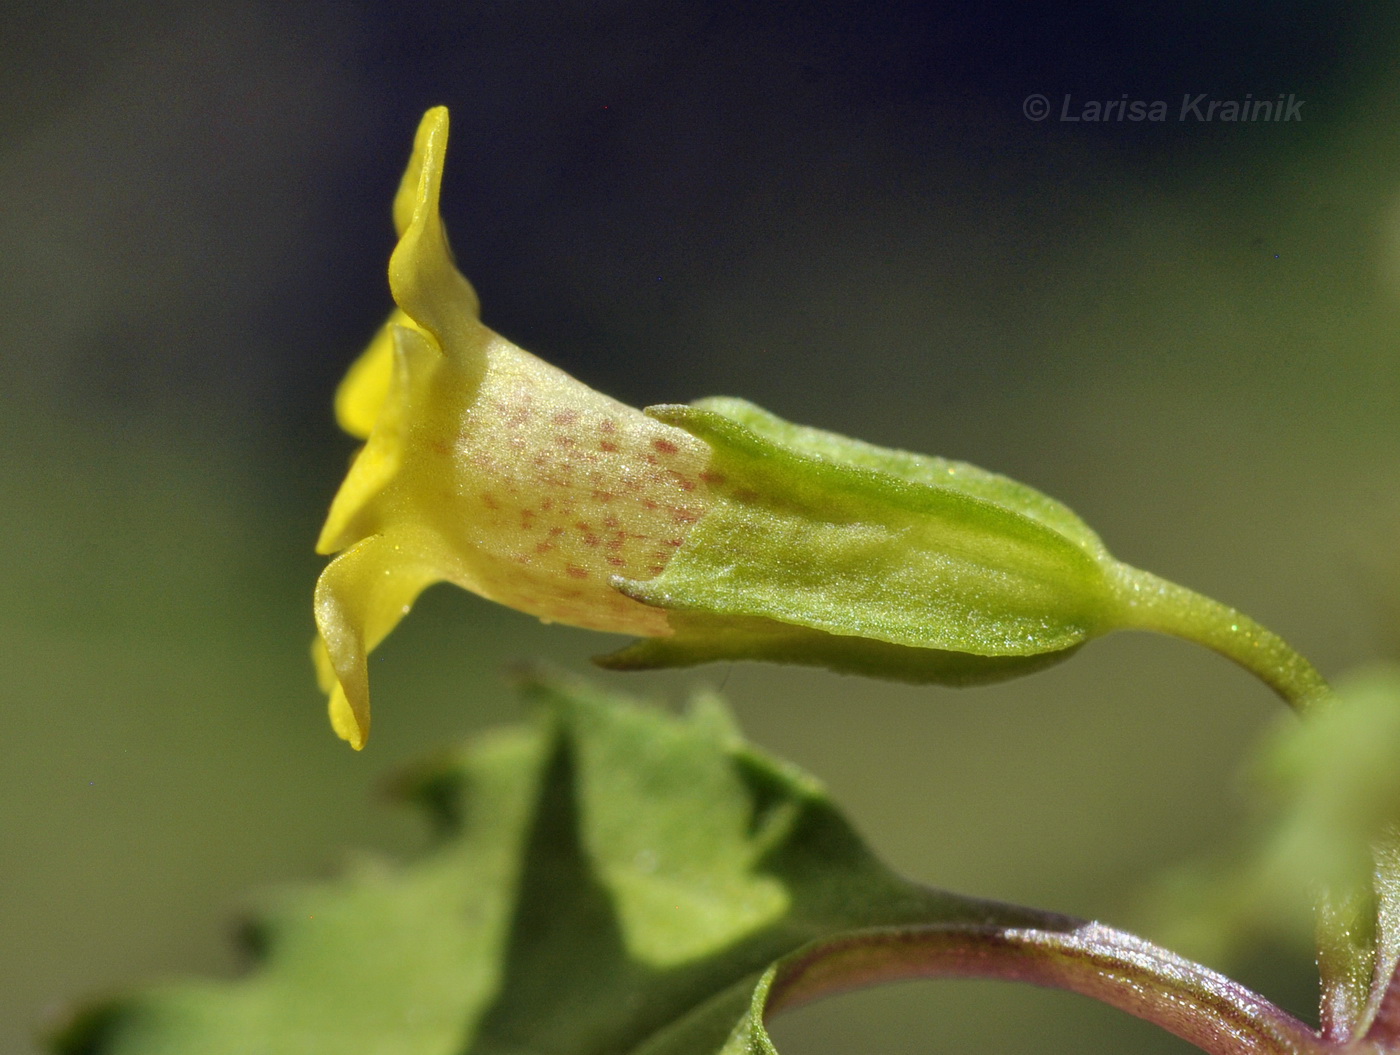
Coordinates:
600 878
610 879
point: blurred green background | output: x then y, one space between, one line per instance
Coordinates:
1187 331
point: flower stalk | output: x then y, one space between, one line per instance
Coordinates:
1148 602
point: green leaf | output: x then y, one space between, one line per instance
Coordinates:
598 875
612 880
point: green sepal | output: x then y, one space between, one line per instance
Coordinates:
701 639
814 530
923 469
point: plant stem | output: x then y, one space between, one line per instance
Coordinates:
1217 1015
1151 603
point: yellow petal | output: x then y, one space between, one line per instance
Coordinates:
426 271
425 282
485 467
353 512
360 597
361 394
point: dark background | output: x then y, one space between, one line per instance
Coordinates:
1187 331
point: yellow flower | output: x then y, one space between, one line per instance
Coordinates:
485 467
714 531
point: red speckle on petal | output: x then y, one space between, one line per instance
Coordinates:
607 425
684 516
673 542
489 500
712 477
564 417
576 573
664 446
607 445
616 562
657 569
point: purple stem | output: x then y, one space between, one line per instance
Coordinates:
1385 1027
1217 1015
